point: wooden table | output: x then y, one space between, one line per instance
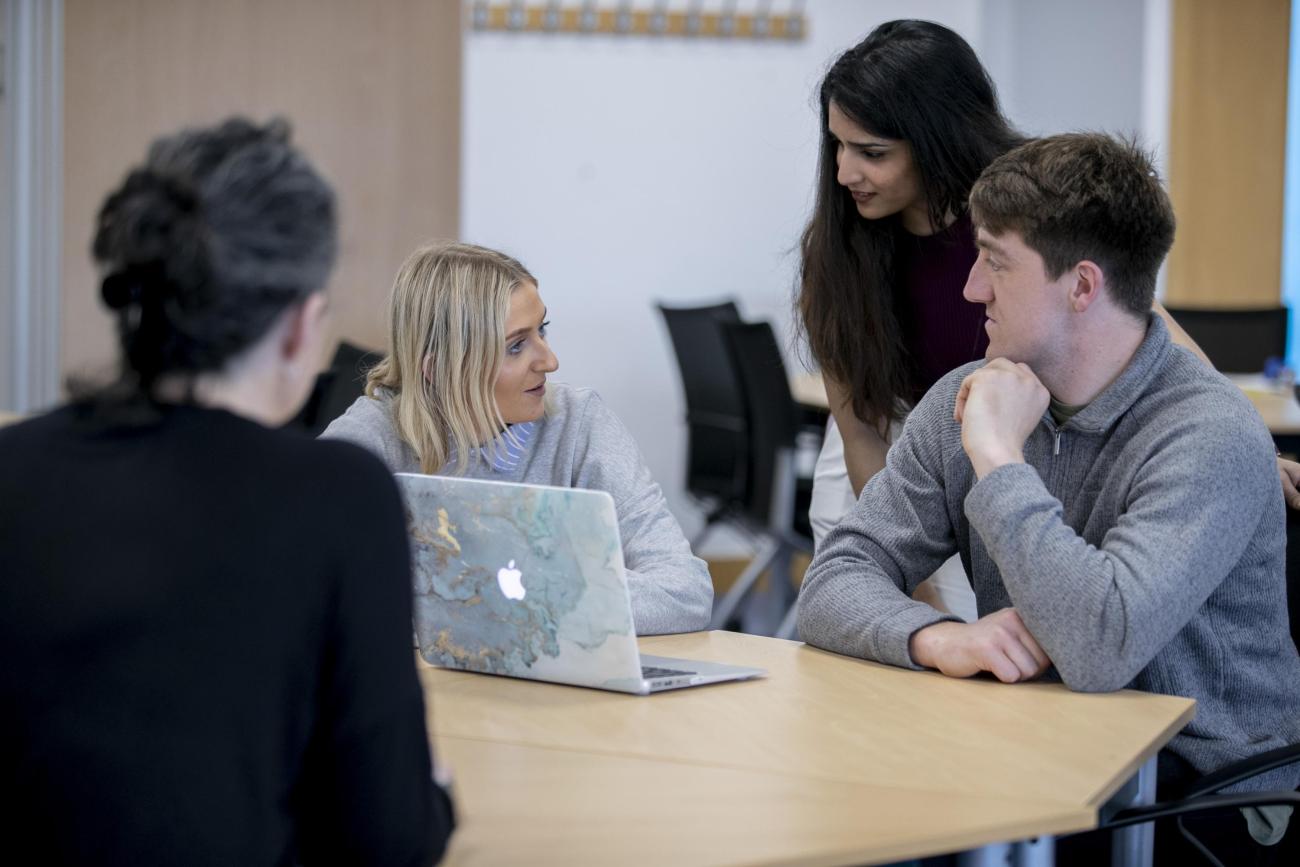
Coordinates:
809 390
829 760
1277 406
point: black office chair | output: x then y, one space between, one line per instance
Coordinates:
717 441
1236 341
1203 797
350 365
336 388
308 416
776 504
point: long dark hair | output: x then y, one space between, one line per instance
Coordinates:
920 82
201 248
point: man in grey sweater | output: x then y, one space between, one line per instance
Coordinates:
1113 499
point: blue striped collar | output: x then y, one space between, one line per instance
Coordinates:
505 453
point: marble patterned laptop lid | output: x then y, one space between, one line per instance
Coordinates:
520 580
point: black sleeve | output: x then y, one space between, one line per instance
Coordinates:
368 789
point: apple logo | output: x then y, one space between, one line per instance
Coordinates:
511 581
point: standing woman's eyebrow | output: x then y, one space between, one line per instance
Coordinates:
862 145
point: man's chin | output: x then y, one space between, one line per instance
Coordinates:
995 351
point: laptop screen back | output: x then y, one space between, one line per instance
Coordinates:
520 580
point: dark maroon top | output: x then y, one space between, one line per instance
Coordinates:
941 329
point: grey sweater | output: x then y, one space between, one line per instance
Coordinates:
579 443
1142 543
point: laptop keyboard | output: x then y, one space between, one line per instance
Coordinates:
650 672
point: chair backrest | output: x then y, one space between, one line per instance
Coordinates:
309 414
715 408
773 421
336 388
1236 341
350 365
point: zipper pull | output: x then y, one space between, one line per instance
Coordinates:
1056 446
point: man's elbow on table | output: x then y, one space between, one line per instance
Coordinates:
1099 671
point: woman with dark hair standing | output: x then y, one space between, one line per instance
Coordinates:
910 118
206 645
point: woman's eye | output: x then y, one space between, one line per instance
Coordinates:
515 348
541 329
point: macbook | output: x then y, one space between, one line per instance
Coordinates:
528 581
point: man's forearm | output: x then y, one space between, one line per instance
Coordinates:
849 605
1125 601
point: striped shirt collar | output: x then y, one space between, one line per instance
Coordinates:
507 450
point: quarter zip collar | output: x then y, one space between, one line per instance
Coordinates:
1116 399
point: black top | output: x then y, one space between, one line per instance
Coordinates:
941 329
205 649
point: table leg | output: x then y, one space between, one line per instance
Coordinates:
764 612
1038 852
1134 846
725 608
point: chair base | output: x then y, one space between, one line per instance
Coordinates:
772 612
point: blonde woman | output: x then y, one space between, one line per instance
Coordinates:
464 391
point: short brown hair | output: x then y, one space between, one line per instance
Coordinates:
1082 196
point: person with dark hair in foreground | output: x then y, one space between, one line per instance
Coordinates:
1113 498
206 645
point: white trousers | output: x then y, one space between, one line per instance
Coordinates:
832 498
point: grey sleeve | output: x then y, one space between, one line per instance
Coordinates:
1103 613
671 588
855 597
369 424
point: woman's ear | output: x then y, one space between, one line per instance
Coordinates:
426 367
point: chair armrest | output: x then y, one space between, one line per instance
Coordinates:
1242 770
1204 803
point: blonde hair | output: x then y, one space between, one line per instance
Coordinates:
448 314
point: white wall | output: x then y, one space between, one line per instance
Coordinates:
1064 65
626 171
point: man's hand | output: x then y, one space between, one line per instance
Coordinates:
1290 473
998 406
999 643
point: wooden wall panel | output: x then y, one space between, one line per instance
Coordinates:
1226 152
371 88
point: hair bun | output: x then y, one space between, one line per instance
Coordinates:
181 196
205 244
130 285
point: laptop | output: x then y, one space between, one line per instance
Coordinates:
528 581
